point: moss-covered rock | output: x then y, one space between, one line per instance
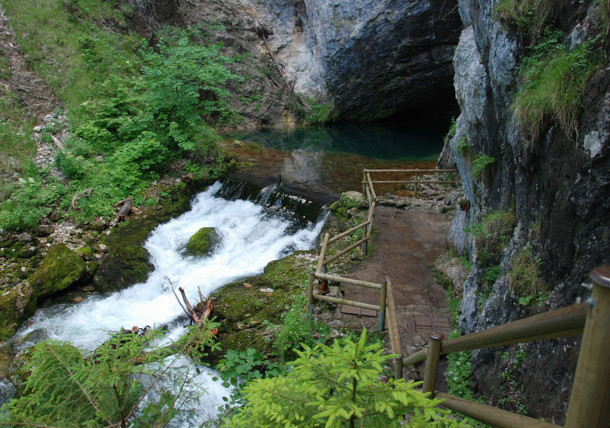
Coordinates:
246 309
16 305
60 269
127 262
203 241
85 252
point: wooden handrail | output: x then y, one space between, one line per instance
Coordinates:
488 414
351 281
347 232
562 322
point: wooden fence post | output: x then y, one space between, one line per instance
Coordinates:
382 305
416 183
590 398
310 295
398 367
431 371
365 244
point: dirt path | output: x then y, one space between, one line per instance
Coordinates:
406 245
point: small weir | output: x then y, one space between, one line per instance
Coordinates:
256 226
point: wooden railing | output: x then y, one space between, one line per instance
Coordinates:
590 398
324 260
416 177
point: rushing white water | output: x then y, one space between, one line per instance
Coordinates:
251 238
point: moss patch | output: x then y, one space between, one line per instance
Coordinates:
203 241
16 304
60 269
245 311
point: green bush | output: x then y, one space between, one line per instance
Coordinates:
530 17
492 235
70 389
526 278
336 386
554 81
480 162
463 147
320 114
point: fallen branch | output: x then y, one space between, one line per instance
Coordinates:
201 311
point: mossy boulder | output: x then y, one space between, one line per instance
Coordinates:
203 241
247 308
16 305
127 262
60 269
124 266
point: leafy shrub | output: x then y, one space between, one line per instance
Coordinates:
463 147
481 162
29 201
320 113
334 386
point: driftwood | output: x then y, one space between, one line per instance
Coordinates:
85 193
126 207
198 313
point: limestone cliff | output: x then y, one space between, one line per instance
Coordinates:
367 58
557 186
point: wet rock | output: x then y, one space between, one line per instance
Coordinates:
60 269
17 303
203 242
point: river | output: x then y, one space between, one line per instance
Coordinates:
256 228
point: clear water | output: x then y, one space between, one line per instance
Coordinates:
374 141
324 161
252 236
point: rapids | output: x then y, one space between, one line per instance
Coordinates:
254 232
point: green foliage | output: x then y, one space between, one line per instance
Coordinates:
133 110
138 125
526 278
451 131
85 52
334 386
459 370
296 330
530 17
237 369
463 147
123 383
604 7
554 81
320 114
30 200
480 162
492 235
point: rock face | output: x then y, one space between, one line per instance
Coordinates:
60 269
370 58
203 241
558 188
